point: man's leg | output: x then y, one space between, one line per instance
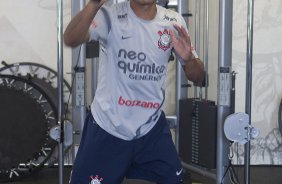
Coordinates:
101 157
156 158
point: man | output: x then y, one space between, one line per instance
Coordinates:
126 134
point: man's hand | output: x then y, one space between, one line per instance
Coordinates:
193 67
77 30
97 3
182 43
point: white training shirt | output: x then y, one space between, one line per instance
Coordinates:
134 55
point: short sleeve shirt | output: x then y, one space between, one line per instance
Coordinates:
134 55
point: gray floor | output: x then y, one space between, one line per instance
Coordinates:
259 175
50 176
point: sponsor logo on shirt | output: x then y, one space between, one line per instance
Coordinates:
133 65
123 16
169 18
164 42
138 103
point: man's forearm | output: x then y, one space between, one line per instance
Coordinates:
77 30
194 70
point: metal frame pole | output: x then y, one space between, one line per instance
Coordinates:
197 38
78 95
197 25
224 83
94 76
180 92
249 85
60 86
206 48
200 170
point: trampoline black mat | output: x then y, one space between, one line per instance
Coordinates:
22 128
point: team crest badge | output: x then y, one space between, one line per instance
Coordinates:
165 40
96 180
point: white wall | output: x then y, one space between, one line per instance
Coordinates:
267 74
28 32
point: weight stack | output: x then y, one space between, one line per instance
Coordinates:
197 132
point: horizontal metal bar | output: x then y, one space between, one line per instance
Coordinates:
172 121
200 170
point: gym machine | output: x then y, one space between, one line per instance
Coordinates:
200 114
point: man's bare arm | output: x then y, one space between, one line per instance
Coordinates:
77 30
193 67
194 71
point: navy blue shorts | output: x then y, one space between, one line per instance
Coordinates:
103 158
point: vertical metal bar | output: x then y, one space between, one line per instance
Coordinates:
180 92
224 63
60 86
233 93
94 75
197 25
249 85
206 50
78 61
197 35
